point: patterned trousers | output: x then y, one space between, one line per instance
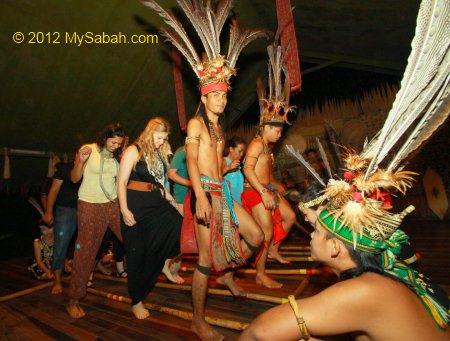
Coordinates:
93 220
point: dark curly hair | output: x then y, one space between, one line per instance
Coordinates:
235 141
111 130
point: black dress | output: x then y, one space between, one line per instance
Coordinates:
154 238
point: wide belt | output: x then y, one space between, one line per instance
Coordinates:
142 186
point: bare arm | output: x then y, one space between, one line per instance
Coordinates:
232 166
80 163
127 163
203 208
251 158
37 256
52 194
220 160
323 314
173 175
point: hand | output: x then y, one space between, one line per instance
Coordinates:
203 209
128 218
234 164
84 153
268 201
49 274
48 218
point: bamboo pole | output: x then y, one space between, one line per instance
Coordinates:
216 321
294 259
212 291
290 256
295 247
303 285
25 292
295 253
285 271
302 229
271 271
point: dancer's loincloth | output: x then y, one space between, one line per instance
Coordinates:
250 198
225 246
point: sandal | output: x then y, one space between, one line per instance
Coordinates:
122 274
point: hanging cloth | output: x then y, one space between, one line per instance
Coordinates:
288 38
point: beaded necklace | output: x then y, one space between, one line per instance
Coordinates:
213 134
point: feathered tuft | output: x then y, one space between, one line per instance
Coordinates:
305 163
275 108
208 23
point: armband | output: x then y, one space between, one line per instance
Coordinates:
192 139
300 321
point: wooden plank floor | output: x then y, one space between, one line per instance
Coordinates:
42 316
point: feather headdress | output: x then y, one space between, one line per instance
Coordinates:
275 108
361 200
213 69
362 204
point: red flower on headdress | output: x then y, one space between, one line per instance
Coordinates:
348 175
357 196
383 197
218 70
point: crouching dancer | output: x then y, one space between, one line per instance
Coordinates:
379 296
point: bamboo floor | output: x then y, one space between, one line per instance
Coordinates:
42 316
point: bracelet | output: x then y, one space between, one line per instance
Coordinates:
264 190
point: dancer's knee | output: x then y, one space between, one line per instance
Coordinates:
252 247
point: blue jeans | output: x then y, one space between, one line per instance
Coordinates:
65 225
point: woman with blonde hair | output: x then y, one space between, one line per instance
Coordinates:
150 224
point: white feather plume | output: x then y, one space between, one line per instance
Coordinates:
305 163
427 70
324 157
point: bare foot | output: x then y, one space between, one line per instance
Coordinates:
74 309
57 288
229 282
276 255
205 332
268 282
170 269
140 311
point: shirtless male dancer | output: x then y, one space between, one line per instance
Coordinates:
204 146
261 193
262 196
219 223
